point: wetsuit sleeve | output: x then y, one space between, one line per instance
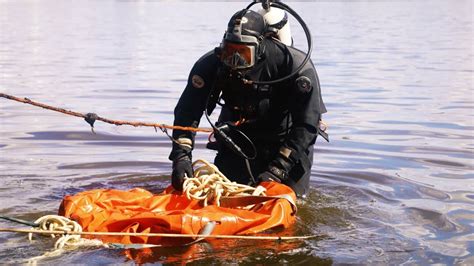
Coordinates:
306 107
191 104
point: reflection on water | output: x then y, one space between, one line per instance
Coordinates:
395 185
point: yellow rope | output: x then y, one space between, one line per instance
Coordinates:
208 185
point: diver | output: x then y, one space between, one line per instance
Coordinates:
269 96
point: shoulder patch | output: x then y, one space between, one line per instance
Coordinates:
304 84
197 81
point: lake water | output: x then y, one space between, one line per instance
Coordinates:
395 184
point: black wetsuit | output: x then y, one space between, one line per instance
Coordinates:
284 114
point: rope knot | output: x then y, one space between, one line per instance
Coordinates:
59 223
90 118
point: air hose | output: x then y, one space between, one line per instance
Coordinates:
267 4
223 130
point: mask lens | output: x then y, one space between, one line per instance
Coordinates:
237 55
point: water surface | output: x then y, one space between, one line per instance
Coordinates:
395 184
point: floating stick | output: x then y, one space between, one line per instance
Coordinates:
20 230
92 117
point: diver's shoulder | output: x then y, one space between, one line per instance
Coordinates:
208 58
207 63
297 54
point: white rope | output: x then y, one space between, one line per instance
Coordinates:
208 185
61 223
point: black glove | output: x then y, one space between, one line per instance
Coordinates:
267 176
182 167
277 170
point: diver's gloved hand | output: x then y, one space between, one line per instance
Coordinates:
182 167
277 170
267 176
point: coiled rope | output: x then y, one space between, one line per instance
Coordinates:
59 223
67 228
208 185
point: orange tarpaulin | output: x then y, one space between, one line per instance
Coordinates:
139 211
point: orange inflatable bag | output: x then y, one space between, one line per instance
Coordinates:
139 211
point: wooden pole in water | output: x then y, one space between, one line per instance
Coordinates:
20 230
